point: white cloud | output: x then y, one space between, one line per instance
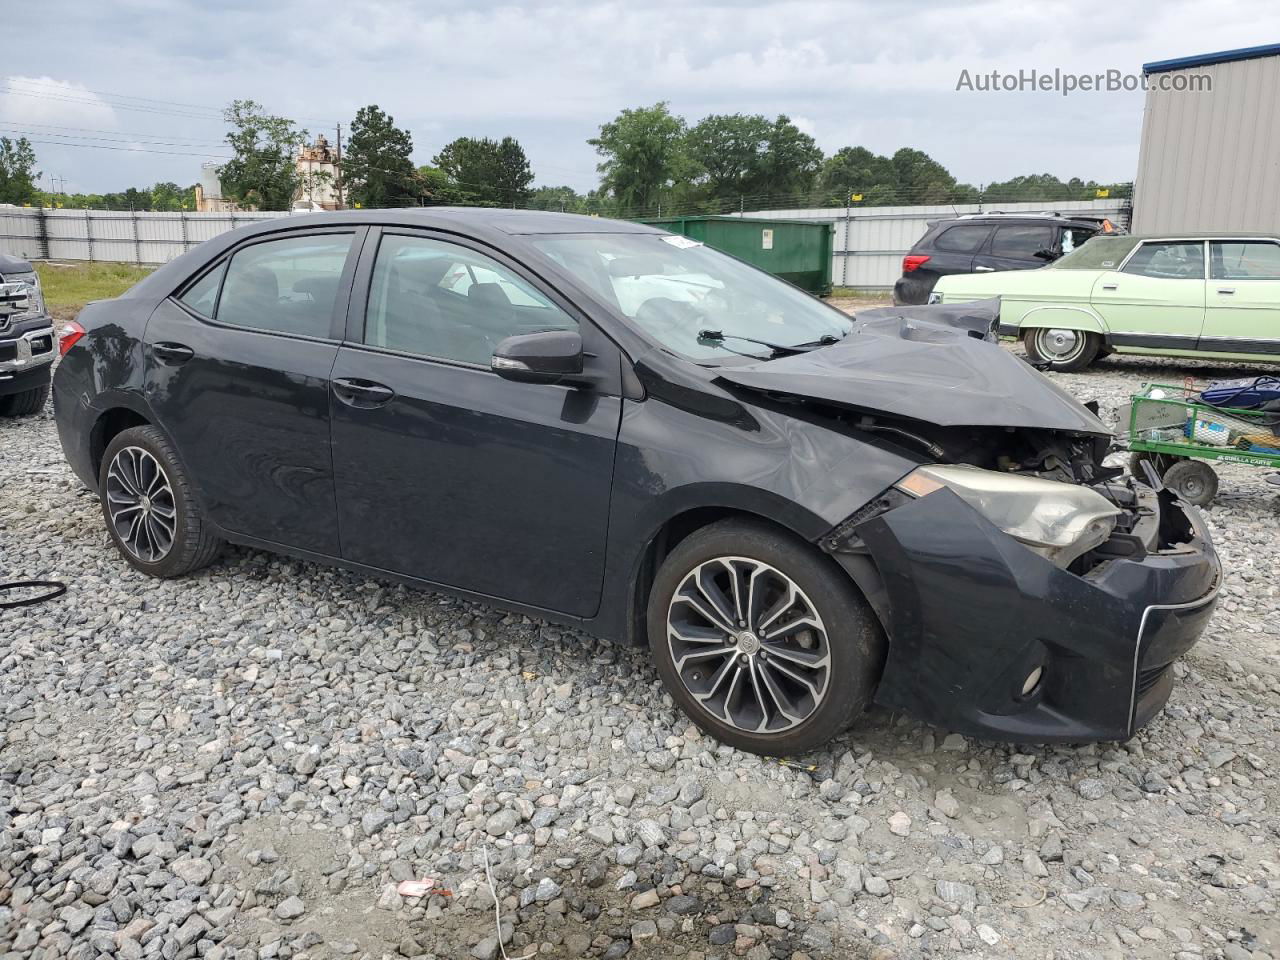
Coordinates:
873 73
46 102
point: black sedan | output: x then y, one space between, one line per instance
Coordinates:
605 425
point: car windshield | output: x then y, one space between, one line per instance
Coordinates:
1096 253
678 291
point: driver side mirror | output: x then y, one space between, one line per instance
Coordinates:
545 357
1044 253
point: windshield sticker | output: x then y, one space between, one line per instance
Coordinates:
684 243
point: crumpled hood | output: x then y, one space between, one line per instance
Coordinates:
939 364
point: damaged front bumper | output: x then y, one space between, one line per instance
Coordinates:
972 614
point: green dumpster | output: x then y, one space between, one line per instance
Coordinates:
795 250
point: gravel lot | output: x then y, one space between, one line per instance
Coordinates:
244 765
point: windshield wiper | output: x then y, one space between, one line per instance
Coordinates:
717 336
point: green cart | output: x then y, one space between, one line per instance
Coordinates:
1175 433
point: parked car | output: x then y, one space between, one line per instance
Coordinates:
26 340
1215 297
798 513
982 243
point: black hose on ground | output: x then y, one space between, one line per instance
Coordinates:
53 590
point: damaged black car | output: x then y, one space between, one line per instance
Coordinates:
605 425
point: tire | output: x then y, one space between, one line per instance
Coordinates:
1193 481
24 404
1161 461
172 537
844 646
1057 348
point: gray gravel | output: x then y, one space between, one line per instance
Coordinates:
246 763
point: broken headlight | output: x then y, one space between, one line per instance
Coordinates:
1059 521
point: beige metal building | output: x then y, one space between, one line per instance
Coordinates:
1210 153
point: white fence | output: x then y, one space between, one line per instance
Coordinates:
119 235
869 241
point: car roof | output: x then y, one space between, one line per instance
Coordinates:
1207 235
474 220
997 216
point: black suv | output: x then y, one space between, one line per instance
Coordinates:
980 243
26 340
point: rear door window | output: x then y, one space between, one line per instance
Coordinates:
285 286
1021 241
962 238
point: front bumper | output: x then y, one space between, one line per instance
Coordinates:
971 613
26 355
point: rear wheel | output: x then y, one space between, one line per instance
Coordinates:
24 404
761 640
1059 348
151 512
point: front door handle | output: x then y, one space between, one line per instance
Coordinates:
172 353
1226 291
362 394
983 269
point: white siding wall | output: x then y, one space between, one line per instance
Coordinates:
1211 160
871 241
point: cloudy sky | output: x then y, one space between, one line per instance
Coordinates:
144 80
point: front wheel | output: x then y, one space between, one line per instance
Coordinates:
24 404
1061 349
761 640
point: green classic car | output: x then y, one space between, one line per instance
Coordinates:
1207 296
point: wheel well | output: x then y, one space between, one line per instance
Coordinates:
106 428
676 529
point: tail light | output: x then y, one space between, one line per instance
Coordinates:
912 261
68 334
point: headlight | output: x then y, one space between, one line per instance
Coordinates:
1059 521
35 298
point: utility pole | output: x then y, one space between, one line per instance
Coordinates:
338 165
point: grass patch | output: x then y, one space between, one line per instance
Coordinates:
69 286
860 293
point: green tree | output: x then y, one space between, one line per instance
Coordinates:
263 172
513 173
435 187
487 171
18 172
921 179
790 162
563 199
856 170
376 168
726 152
641 150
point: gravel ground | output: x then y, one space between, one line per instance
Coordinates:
245 763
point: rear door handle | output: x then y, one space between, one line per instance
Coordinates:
172 353
983 269
1226 291
1109 286
362 394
